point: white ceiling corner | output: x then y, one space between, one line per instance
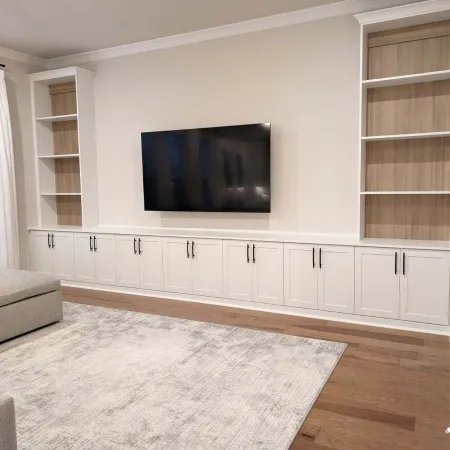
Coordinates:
326 9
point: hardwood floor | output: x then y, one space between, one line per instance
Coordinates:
390 391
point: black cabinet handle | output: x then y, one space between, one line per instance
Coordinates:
134 246
53 240
95 244
320 258
396 264
139 246
248 253
187 249
314 257
90 243
254 258
404 263
193 255
48 240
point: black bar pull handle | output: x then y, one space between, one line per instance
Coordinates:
48 241
90 243
192 248
404 263
314 257
139 246
248 253
95 244
53 240
254 257
320 258
187 249
134 246
396 263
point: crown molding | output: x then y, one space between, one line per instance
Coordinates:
22 57
340 8
337 9
436 9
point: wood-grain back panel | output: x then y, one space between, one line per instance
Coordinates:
63 98
408 165
423 217
69 210
67 175
411 108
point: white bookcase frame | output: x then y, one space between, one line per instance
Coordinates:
44 157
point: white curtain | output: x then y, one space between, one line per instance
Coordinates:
9 234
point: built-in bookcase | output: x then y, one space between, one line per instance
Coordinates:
405 126
64 139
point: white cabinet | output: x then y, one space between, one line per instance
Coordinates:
237 270
150 251
127 261
411 285
95 258
41 252
301 275
84 258
336 279
377 282
253 271
207 260
424 286
53 254
193 266
105 258
267 272
139 262
177 265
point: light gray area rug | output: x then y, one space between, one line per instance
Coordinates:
124 380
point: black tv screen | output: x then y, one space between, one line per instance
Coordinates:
207 169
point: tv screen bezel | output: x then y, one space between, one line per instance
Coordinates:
268 125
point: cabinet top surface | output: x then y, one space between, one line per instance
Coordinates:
254 235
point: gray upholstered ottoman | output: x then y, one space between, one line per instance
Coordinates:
28 301
8 440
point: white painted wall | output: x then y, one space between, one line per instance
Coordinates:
302 79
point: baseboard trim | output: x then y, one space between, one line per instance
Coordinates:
275 309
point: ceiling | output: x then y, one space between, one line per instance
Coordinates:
53 28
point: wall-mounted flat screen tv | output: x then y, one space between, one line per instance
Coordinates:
208 169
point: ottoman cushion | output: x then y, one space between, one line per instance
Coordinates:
17 285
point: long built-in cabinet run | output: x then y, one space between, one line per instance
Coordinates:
408 285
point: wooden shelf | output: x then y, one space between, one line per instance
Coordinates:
405 193
48 194
395 137
71 155
407 79
61 118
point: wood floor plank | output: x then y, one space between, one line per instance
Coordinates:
390 391
407 422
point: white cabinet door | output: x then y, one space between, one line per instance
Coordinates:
267 260
127 261
151 263
64 256
207 265
337 279
41 252
300 275
377 282
105 259
177 265
237 270
84 258
424 286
